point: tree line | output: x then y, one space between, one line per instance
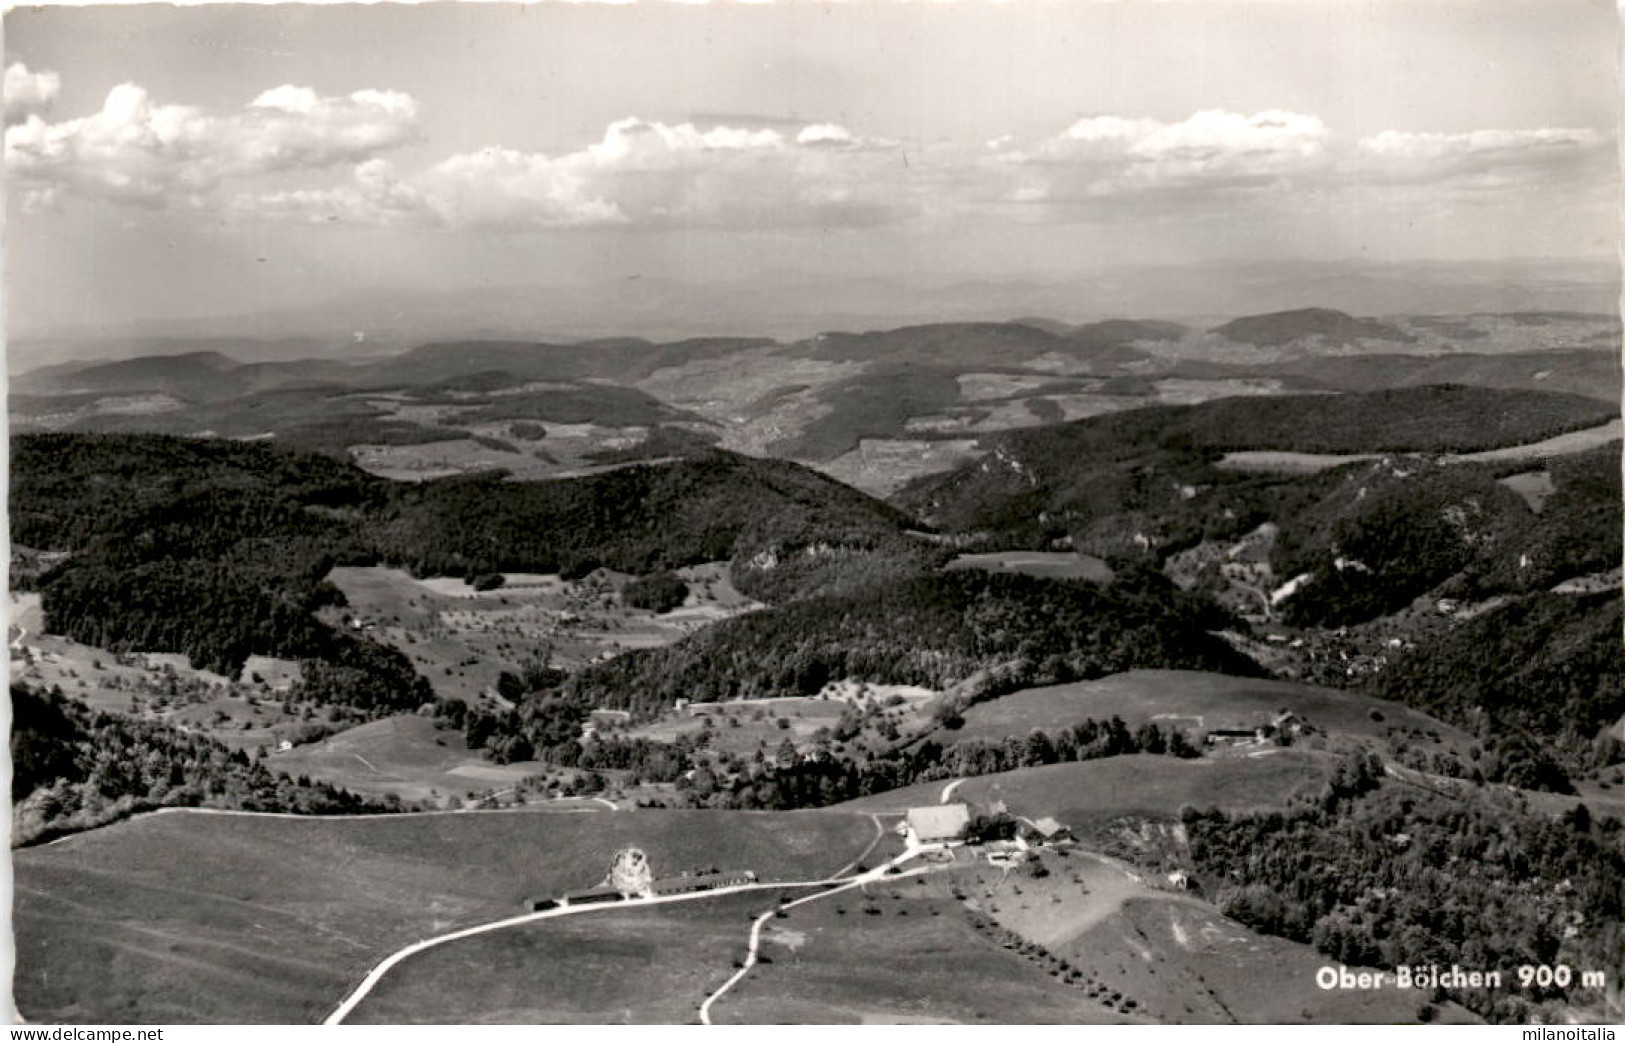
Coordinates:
76 768
1375 873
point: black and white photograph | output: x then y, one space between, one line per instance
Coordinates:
880 513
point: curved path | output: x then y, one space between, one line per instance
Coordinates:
376 975
880 834
948 791
388 963
877 873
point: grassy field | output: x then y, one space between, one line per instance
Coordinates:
881 466
617 966
405 755
740 728
1082 793
1193 699
1170 951
902 953
190 917
1044 564
1534 486
162 686
1186 963
1282 462
461 639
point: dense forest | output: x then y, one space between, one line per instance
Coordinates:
824 779
1138 471
935 630
75 768
1377 873
643 519
1372 537
1548 666
1368 537
220 549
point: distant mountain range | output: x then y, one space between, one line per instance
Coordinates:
788 305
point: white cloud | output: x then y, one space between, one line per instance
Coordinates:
28 92
1402 145
1214 162
375 195
638 173
257 162
1485 162
1107 156
139 151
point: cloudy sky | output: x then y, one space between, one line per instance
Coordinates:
169 162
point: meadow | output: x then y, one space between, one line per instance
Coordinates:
1085 793
462 639
1199 701
613 965
897 953
219 918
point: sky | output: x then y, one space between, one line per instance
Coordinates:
165 162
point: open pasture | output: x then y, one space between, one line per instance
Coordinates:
651 965
898 953
1043 564
461 639
1085 793
1186 963
1282 462
1194 700
405 755
198 917
244 714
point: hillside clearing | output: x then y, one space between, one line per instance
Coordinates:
1084 793
1200 701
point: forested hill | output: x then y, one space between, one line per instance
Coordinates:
1035 469
642 519
1547 666
219 549
932 630
1145 485
74 768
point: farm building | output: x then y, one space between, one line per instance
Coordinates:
676 885
1050 830
1243 728
590 895
939 824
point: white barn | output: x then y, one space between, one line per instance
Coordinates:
939 824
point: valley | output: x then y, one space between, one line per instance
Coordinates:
1225 645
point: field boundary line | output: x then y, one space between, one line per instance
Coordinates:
520 809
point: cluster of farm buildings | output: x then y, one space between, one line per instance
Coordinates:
683 883
935 827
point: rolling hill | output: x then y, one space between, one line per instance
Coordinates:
934 630
1326 325
1200 701
220 550
1089 794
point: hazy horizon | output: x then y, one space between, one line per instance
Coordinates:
168 165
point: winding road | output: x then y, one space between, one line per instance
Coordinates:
834 883
876 873
376 975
